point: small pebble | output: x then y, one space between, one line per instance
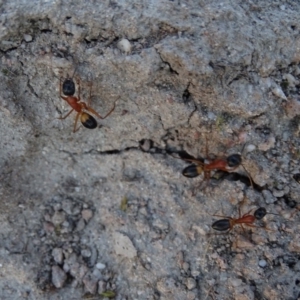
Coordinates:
58 277
86 253
58 217
80 225
27 38
269 198
146 145
48 227
125 46
250 148
262 263
186 267
90 283
57 254
291 79
278 194
87 214
236 282
190 283
277 91
101 287
100 266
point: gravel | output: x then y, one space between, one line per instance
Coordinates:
107 212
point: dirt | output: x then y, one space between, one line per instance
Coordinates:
107 213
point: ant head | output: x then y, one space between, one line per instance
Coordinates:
260 213
68 87
234 160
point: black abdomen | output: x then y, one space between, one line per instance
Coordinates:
88 121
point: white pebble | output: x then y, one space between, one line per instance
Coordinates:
277 91
250 148
125 46
262 263
27 38
291 79
100 266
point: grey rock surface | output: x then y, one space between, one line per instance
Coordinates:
107 213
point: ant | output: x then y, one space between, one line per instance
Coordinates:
247 219
226 164
82 109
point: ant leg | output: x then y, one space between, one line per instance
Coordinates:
206 146
263 227
197 187
96 114
76 120
243 228
90 97
79 88
203 183
195 161
250 179
62 118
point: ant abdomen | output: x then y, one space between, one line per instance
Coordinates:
234 160
192 171
88 121
68 87
221 225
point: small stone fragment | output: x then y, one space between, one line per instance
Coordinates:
146 145
270 143
87 214
48 227
57 254
123 245
292 107
86 253
294 245
27 38
278 194
90 283
236 282
80 225
101 286
269 198
277 91
58 218
190 283
100 266
250 148
262 263
125 46
58 277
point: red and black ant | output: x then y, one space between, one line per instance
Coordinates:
82 109
247 219
226 164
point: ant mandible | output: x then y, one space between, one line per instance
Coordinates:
247 219
82 109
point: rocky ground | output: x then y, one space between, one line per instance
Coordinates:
106 213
